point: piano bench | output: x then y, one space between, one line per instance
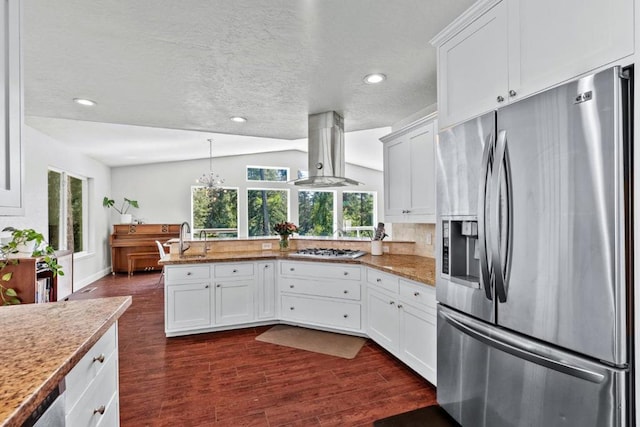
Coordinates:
137 256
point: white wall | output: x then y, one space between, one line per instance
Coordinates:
164 190
42 152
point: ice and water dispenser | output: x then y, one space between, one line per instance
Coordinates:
460 252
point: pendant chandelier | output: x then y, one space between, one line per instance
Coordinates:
210 180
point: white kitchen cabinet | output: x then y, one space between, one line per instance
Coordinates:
409 172
321 294
188 306
91 395
402 319
501 51
11 112
234 301
266 286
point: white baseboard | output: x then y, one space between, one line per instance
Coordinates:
88 280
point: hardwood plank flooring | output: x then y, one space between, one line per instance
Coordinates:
230 379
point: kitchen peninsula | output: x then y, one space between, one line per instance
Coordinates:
45 344
389 298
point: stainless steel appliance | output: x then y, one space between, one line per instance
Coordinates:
534 271
328 253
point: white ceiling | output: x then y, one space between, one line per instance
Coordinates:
158 65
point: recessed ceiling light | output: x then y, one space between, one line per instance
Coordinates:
374 78
86 102
238 119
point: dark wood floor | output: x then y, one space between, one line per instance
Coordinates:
230 379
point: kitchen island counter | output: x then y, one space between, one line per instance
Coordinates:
41 343
413 267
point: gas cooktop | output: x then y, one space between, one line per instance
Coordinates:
328 253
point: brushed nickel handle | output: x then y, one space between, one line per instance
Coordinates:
99 410
378 280
99 358
500 98
399 305
346 292
415 294
345 315
392 302
512 92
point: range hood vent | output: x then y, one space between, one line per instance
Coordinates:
326 152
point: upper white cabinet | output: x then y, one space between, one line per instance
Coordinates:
409 172
11 111
501 51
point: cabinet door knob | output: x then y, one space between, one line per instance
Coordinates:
206 286
392 302
99 358
292 308
346 273
415 294
399 305
346 292
292 269
234 271
266 266
188 273
512 92
218 285
99 410
378 280
345 315
291 286
500 98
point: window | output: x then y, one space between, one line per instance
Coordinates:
316 213
359 213
215 211
68 214
265 208
265 173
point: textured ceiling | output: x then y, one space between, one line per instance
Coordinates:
193 64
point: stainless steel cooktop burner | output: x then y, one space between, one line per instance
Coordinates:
328 253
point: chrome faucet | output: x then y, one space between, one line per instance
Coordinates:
182 231
202 233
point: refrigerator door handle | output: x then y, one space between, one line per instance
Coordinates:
517 347
500 168
485 277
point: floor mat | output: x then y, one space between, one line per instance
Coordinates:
431 416
339 345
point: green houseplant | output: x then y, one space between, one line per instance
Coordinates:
123 210
29 242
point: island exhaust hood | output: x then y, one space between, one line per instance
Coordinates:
326 152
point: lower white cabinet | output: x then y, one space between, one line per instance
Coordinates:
321 312
266 298
404 321
188 306
234 301
91 395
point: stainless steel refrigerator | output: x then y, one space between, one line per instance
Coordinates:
534 267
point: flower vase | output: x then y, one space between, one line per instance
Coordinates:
284 242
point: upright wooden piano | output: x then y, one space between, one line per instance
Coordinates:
133 246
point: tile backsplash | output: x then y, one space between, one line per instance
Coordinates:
418 233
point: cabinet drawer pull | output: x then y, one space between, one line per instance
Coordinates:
292 308
416 293
99 410
378 280
399 305
346 291
218 285
500 98
99 358
266 266
346 273
512 92
206 286
291 286
292 269
345 315
234 271
188 273
392 302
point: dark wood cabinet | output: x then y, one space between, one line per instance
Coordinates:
133 246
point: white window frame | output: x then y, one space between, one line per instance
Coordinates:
267 167
246 199
62 226
359 229
334 226
196 231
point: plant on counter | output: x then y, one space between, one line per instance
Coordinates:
284 230
124 207
30 242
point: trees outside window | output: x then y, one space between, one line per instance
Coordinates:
316 213
67 211
358 213
215 210
265 208
265 173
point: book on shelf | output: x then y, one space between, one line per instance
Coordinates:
43 290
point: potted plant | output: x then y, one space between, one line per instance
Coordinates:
31 243
125 216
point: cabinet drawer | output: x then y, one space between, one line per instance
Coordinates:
382 280
421 295
342 289
96 398
90 366
320 270
233 270
179 274
321 312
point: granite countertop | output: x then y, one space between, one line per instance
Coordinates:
413 267
41 343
